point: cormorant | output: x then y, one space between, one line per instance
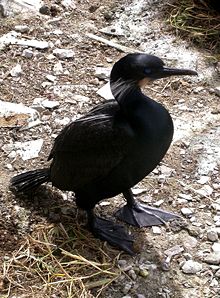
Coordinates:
112 148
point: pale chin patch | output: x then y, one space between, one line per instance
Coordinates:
146 81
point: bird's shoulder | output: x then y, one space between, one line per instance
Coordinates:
102 129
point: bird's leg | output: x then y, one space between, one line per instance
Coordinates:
141 215
109 231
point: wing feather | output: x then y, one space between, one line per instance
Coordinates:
89 148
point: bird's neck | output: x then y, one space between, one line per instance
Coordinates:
128 95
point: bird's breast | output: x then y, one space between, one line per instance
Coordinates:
153 133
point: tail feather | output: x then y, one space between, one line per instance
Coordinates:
29 180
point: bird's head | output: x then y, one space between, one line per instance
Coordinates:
139 68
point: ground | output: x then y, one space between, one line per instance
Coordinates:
44 249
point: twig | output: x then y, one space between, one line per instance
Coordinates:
113 44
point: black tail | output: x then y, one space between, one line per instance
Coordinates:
29 180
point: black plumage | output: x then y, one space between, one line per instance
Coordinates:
112 148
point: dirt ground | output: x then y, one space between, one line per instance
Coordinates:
174 185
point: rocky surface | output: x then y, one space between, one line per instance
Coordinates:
55 71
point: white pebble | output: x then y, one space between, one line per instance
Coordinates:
16 71
190 242
212 235
203 179
27 53
63 121
186 211
102 72
213 258
217 273
185 196
21 28
206 190
64 53
191 267
156 230
51 78
216 247
58 68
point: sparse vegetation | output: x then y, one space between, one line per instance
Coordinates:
198 21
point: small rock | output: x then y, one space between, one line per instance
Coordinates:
9 167
102 72
140 296
156 230
191 267
22 28
216 218
214 283
203 179
50 56
206 190
181 201
217 90
216 186
51 78
174 250
213 258
26 150
186 211
158 203
217 273
124 265
126 288
27 53
185 196
16 71
64 53
215 206
44 9
63 122
193 219
198 89
46 84
143 272
105 91
80 98
190 242
57 32
32 43
58 68
132 274
212 235
216 247
69 4
50 104
166 171
137 191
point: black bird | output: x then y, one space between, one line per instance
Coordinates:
112 148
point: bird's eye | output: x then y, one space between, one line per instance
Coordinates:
147 70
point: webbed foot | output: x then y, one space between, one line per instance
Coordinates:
141 215
111 232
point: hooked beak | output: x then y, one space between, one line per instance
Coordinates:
167 72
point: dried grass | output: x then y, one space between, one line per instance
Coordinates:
50 263
197 21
